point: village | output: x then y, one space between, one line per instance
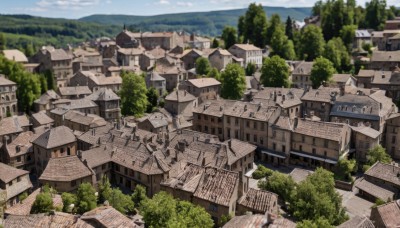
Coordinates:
197 144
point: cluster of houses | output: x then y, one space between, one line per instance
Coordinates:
198 147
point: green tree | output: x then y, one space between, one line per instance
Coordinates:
275 72
261 172
336 52
202 66
317 8
152 99
250 69
51 84
274 24
215 43
68 199
133 94
320 223
86 198
233 82
139 195
378 153
253 24
121 202
347 34
191 215
29 50
316 198
105 189
2 42
281 45
344 169
279 183
311 43
43 83
214 73
159 210
43 203
23 196
321 72
375 14
225 219
229 36
289 28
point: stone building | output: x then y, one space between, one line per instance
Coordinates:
180 102
380 182
362 140
53 143
319 102
129 56
127 39
365 78
372 110
189 58
65 174
153 79
78 121
392 24
8 100
165 40
45 101
258 202
386 215
388 81
108 103
15 182
384 60
202 87
41 119
11 127
361 37
248 52
173 72
19 153
220 58
317 143
392 136
301 75
96 81
57 61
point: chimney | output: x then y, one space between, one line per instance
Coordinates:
296 121
79 154
271 218
5 139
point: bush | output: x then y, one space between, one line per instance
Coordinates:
23 196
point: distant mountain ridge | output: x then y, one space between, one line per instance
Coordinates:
205 23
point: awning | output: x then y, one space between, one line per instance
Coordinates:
272 154
307 156
331 161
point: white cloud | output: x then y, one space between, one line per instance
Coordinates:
66 4
185 4
162 2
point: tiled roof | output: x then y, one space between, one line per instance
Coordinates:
91 120
79 104
154 76
250 111
58 219
253 221
131 51
57 54
324 130
386 172
15 55
180 96
187 180
221 51
217 186
55 137
237 149
22 144
101 79
390 213
303 68
385 56
96 156
214 107
65 169
42 118
103 94
366 73
385 77
74 90
247 47
375 190
357 222
204 82
14 124
9 173
4 81
260 200
341 78
107 216
368 131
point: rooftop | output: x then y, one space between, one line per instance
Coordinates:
304 68
324 130
14 124
107 216
74 91
204 82
15 55
180 96
9 173
247 47
55 137
260 200
42 118
390 213
65 169
385 172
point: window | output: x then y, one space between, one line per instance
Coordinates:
18 179
229 132
325 143
68 151
313 141
213 207
393 139
261 141
236 134
247 137
247 123
206 129
283 148
301 148
303 138
213 131
205 117
19 159
220 120
314 151
62 150
219 130
262 126
212 119
255 125
198 116
273 134
73 183
325 154
255 138
274 146
103 166
236 121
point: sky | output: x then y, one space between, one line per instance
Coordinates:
79 8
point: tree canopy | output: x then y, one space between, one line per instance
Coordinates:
43 203
250 69
281 45
215 43
68 199
378 153
336 52
289 28
274 24
322 71
202 66
229 36
275 72
281 184
164 211
133 94
86 198
312 43
152 99
233 82
253 24
214 73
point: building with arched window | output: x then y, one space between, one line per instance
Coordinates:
8 97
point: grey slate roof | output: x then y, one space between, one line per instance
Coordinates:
74 90
55 137
103 94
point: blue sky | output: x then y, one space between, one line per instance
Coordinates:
80 8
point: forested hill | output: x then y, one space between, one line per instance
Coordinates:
205 23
